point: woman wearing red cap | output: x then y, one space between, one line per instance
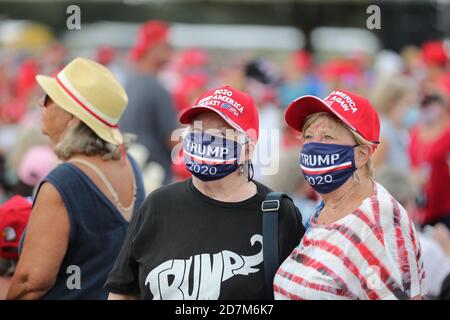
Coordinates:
360 243
202 238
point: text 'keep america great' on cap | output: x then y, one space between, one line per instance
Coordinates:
234 106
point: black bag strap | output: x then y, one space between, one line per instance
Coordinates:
270 208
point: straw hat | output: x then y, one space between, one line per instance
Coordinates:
90 92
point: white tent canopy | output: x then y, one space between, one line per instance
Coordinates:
237 37
344 40
208 36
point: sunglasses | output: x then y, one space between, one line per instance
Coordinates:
44 101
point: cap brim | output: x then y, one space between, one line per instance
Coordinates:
52 89
302 107
187 116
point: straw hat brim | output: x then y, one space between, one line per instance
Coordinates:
51 87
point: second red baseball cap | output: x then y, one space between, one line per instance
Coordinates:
14 215
149 34
353 110
434 53
234 106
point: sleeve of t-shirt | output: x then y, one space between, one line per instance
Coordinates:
290 228
165 113
124 277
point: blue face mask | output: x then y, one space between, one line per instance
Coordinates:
325 166
411 117
210 157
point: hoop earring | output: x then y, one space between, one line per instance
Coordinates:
356 177
251 171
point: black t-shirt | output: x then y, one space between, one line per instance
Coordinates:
184 245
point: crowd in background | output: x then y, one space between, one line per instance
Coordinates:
410 89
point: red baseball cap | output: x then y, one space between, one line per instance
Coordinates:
434 53
193 58
355 111
14 215
234 106
149 34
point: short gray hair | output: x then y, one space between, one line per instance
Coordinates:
80 139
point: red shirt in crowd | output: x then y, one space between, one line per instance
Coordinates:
433 156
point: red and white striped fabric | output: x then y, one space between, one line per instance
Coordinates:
372 253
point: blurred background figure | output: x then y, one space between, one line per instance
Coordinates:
107 56
299 78
26 163
190 87
185 65
151 113
35 165
435 58
430 158
262 78
343 73
434 242
14 215
396 100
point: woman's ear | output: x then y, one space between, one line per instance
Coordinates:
72 121
362 155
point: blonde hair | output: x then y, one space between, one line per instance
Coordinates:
82 140
389 91
360 141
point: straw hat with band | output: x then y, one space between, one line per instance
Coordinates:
90 92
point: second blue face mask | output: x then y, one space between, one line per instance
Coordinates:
210 157
325 166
